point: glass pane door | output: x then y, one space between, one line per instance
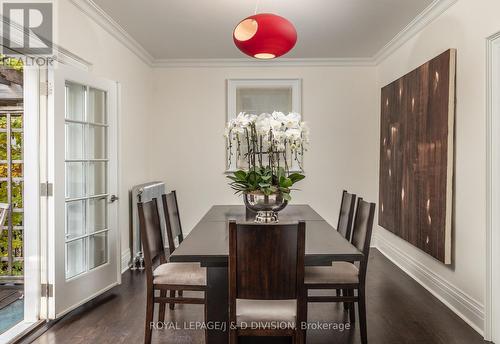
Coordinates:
83 237
86 164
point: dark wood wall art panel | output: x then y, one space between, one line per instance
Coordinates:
416 156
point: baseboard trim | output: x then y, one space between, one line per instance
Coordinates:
466 307
374 242
125 262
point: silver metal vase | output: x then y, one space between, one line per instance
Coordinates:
266 206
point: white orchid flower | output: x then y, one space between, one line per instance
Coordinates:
239 130
227 131
263 125
242 120
279 116
293 134
292 120
274 133
279 136
263 117
304 127
276 125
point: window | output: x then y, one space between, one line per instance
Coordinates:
256 96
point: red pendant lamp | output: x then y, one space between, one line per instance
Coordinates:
265 36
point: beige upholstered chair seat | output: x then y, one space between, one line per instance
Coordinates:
338 273
262 311
180 273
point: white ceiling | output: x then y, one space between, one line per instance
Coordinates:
202 29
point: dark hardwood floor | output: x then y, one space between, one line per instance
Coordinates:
399 311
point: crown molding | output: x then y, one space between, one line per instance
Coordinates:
428 15
68 58
249 62
96 13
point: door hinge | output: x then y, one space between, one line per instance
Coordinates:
45 88
46 189
47 290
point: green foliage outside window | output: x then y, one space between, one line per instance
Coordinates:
17 250
17 268
16 173
11 62
16 201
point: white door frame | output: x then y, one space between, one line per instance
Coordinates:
32 263
492 299
31 205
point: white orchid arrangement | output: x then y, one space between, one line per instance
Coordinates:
264 148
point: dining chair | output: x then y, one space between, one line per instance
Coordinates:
266 280
4 211
346 214
172 220
345 275
173 229
163 276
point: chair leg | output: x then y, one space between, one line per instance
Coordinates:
303 332
172 295
204 315
148 330
300 336
345 292
362 315
161 310
352 308
233 338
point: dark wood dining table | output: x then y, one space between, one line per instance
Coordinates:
208 244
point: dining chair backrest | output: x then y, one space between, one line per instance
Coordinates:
172 220
4 211
151 237
266 261
346 214
362 232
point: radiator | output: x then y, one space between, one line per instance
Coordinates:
143 193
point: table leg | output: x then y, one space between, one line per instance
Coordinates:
217 303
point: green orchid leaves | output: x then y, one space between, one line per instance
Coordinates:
264 180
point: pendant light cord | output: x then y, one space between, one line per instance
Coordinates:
257 6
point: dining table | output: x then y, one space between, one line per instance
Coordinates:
208 244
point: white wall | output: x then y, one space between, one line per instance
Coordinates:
190 114
110 59
464 26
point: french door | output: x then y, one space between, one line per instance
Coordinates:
82 179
